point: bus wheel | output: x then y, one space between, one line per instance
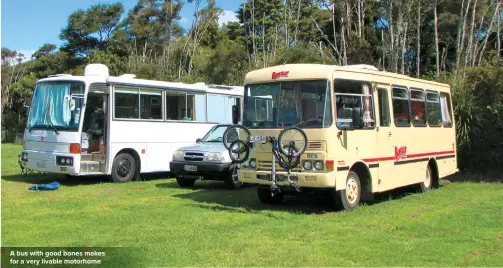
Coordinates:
184 182
427 184
232 180
123 168
349 198
264 195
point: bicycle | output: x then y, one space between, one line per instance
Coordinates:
239 150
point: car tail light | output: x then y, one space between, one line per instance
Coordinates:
74 148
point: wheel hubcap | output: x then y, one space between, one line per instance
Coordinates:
124 167
351 190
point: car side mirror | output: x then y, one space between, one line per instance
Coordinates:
235 114
198 140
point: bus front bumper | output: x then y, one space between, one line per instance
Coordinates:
302 179
46 162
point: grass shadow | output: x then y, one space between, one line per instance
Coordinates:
51 177
215 196
494 176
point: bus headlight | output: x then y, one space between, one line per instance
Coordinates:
215 157
178 155
253 163
307 165
318 165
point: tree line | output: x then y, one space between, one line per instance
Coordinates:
452 41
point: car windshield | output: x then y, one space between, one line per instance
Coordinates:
304 104
216 134
56 105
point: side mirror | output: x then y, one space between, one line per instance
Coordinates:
198 140
235 114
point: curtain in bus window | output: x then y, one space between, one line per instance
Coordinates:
200 108
56 100
367 114
444 103
218 111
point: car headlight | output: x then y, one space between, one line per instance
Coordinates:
24 157
178 155
215 157
308 165
318 165
253 163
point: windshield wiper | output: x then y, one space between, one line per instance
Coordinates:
42 117
214 140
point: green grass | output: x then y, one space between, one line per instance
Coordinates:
460 224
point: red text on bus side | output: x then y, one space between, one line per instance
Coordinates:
400 153
276 75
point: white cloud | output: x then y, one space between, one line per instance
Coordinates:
226 17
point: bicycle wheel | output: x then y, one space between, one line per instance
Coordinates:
289 164
292 142
234 133
239 151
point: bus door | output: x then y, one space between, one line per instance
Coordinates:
384 160
95 130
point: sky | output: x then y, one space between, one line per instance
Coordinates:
29 24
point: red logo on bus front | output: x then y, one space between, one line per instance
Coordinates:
276 75
400 153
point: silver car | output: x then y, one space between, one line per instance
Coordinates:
208 159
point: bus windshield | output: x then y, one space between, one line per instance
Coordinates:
304 104
56 106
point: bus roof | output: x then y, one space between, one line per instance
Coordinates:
130 80
322 71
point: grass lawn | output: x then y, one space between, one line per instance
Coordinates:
460 224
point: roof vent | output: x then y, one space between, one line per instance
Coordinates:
128 76
96 69
59 75
362 67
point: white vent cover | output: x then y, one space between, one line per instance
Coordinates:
362 66
96 69
128 76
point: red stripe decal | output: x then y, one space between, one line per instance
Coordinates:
380 159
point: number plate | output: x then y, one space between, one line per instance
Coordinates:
41 165
258 139
190 168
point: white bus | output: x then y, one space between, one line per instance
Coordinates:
119 126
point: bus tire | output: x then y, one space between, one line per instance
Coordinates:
184 182
264 195
124 168
232 181
427 184
349 198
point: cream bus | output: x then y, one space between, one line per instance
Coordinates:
368 131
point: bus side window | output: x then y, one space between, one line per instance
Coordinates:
401 115
384 117
417 104
433 109
445 104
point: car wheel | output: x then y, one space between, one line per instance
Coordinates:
232 180
123 168
264 195
349 198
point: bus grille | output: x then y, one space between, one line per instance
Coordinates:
189 156
315 145
267 165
